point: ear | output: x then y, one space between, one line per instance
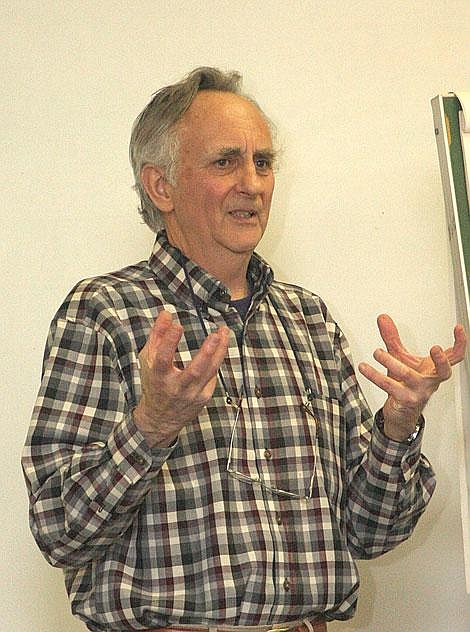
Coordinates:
157 187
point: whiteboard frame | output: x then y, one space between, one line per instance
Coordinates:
463 315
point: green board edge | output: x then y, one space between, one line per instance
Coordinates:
452 108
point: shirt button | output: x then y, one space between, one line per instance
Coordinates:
258 392
268 454
286 585
279 519
140 460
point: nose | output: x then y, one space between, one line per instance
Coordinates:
250 182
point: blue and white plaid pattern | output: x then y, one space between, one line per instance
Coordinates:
158 537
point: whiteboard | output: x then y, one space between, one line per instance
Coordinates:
452 129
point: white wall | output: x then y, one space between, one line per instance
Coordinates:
358 217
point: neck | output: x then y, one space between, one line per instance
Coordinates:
231 271
237 284
228 267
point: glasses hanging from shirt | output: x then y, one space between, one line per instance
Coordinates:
277 477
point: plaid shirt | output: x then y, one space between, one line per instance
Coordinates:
158 537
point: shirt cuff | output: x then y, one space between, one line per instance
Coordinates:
395 459
131 453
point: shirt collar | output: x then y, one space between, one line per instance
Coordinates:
167 263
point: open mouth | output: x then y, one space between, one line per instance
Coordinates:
242 214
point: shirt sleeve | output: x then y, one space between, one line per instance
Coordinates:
87 467
389 484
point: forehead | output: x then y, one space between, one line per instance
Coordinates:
226 118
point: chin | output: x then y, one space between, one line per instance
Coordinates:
243 246
244 243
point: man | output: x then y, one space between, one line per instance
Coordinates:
201 456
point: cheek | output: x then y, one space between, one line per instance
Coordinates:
270 187
214 193
267 198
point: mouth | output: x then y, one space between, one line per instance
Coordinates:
242 214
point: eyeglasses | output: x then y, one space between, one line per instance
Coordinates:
305 406
231 468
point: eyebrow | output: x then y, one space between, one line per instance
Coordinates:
229 152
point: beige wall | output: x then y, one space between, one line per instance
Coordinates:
358 217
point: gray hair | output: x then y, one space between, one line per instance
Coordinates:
154 138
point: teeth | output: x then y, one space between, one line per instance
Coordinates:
242 213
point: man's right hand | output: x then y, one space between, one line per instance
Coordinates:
173 397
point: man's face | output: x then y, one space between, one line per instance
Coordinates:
224 180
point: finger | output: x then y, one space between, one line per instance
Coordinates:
392 387
389 333
398 370
456 353
205 364
163 341
392 340
161 324
441 362
162 353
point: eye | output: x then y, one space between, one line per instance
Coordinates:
223 162
263 164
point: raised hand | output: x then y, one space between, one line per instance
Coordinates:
410 379
173 397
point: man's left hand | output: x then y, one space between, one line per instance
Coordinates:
410 379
